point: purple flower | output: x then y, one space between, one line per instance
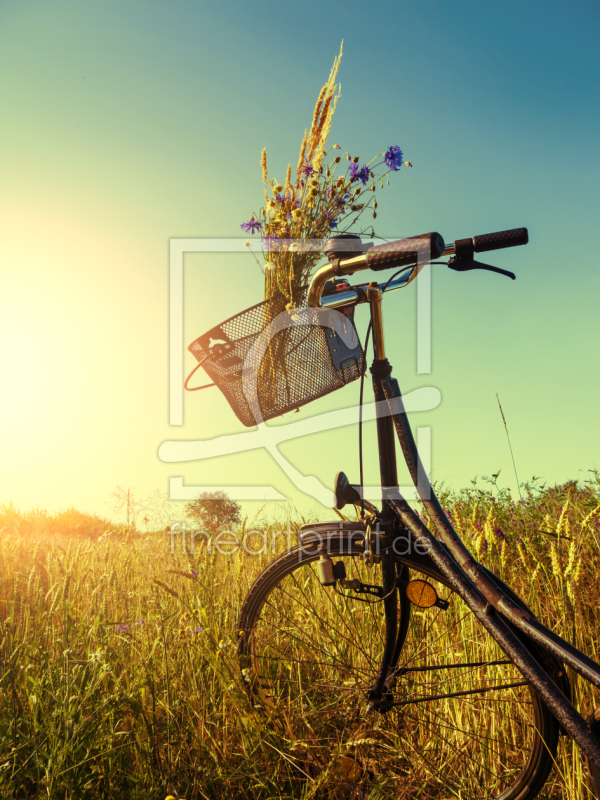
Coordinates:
269 242
394 157
281 198
121 628
364 175
198 630
332 221
359 174
308 171
252 226
141 622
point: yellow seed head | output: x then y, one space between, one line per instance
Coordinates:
561 519
458 524
504 554
301 158
522 553
490 522
590 517
556 568
571 561
288 179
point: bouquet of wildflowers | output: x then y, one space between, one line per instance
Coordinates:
330 193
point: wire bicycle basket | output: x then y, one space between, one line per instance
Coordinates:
268 360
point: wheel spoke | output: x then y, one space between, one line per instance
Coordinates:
460 719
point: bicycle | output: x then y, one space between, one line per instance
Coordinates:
392 646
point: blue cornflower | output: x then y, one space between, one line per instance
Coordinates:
121 628
331 221
252 226
359 174
308 170
198 630
363 175
141 622
394 158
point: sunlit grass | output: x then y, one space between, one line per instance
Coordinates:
119 678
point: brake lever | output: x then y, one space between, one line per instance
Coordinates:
462 264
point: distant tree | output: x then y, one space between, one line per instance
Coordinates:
214 511
127 505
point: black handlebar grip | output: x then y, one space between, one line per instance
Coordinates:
404 252
500 239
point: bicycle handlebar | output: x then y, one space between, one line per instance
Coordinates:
417 250
424 248
489 241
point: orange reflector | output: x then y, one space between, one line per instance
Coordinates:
421 594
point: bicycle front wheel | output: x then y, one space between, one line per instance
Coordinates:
461 721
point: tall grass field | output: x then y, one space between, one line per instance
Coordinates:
119 675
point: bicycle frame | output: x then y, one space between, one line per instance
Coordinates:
509 622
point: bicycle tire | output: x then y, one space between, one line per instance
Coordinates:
309 654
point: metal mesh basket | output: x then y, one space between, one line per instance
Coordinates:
267 360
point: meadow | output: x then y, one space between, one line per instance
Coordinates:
118 670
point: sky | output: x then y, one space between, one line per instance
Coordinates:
125 126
